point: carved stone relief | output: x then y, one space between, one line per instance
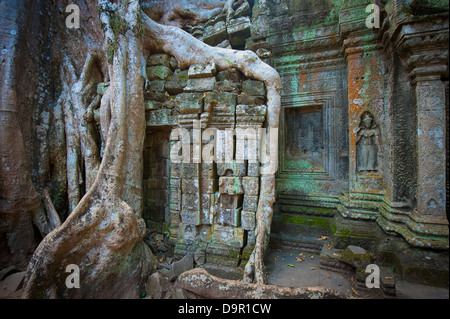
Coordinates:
368 144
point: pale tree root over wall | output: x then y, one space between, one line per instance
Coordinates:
201 283
103 234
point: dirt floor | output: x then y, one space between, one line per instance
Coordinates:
284 269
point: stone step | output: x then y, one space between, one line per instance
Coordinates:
329 261
306 242
225 272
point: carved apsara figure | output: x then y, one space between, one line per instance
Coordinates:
368 138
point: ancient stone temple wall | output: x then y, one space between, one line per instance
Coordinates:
362 135
384 140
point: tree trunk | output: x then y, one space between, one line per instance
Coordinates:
103 235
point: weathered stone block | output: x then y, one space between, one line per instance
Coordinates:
208 170
250 116
260 27
219 255
248 220
254 87
157 286
152 105
197 30
161 117
189 185
229 201
233 236
251 238
207 202
214 34
200 84
191 202
356 256
208 186
175 199
159 59
230 185
214 20
229 217
222 121
155 96
156 86
204 70
238 30
175 170
185 264
250 203
204 235
228 86
190 103
158 72
251 99
250 185
234 168
189 216
170 104
186 121
188 232
176 82
175 218
259 110
243 10
231 74
223 102
175 183
189 170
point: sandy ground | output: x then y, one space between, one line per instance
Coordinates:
285 270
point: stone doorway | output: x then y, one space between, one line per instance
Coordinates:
156 178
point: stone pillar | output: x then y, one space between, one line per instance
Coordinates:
430 99
365 96
426 60
359 208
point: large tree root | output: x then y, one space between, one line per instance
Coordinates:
200 282
103 235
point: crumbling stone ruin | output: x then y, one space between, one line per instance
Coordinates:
188 139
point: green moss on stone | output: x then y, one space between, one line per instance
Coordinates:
309 221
